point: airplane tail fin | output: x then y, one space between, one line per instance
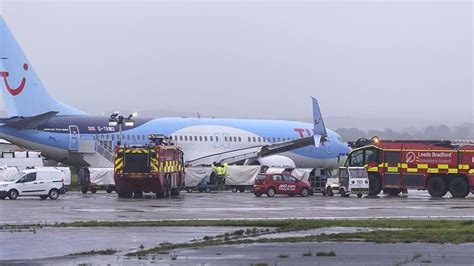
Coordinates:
22 90
318 124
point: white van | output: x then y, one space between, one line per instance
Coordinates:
42 182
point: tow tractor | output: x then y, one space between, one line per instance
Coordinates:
156 167
350 180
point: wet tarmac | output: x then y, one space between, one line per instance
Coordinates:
358 253
50 242
74 206
345 254
51 245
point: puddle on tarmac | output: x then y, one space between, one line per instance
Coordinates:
319 231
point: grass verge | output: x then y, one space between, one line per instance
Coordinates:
95 252
282 225
408 231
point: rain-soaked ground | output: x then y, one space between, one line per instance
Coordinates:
28 247
51 245
74 206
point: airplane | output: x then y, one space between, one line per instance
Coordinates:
65 134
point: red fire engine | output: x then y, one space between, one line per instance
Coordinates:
156 167
395 165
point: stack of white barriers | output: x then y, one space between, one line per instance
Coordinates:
238 177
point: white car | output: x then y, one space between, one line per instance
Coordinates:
42 182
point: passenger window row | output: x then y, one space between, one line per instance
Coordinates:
136 137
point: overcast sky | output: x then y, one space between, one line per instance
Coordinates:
393 64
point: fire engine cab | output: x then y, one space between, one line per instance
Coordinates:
156 167
395 165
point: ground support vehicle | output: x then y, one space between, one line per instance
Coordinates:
207 186
43 182
156 167
350 180
272 184
94 179
317 177
200 178
395 165
21 159
240 178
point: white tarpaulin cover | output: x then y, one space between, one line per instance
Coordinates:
301 173
7 171
241 175
102 176
273 170
194 175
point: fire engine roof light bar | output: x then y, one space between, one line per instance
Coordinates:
376 140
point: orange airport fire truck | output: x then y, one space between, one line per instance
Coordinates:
395 165
156 167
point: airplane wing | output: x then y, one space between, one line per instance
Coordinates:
254 153
28 122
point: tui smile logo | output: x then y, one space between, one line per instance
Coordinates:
19 89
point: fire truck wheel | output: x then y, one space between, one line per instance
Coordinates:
84 190
241 190
329 192
93 190
138 194
304 192
124 195
271 192
459 187
234 189
207 190
174 192
437 187
374 185
392 191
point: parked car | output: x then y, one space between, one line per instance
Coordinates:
43 182
272 184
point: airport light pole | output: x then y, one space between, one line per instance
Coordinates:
119 120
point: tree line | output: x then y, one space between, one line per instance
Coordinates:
433 132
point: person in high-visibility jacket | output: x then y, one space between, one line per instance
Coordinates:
220 171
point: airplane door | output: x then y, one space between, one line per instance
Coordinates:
73 138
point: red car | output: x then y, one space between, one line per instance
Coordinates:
272 184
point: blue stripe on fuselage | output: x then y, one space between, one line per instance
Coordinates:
56 131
